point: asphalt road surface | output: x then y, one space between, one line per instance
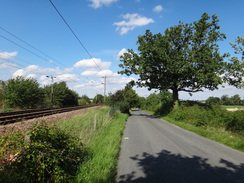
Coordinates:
154 151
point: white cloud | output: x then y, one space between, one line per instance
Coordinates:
93 63
19 72
158 8
122 81
8 65
121 52
107 73
33 70
99 3
89 73
8 55
91 84
131 22
68 69
67 78
31 76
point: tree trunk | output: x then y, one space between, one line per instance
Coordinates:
175 96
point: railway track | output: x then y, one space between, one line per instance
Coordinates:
17 116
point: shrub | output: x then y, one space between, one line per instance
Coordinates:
204 115
236 123
51 155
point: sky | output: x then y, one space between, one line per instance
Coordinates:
35 42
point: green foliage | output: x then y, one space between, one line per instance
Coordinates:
235 100
213 100
84 99
185 58
214 116
62 95
236 122
235 73
49 155
101 167
98 99
124 99
160 103
225 100
100 130
23 93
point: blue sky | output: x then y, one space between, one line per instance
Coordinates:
106 28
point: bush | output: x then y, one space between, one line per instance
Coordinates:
124 107
214 116
195 115
160 104
49 155
236 122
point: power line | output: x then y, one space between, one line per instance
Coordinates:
36 50
75 35
6 64
27 49
32 53
31 46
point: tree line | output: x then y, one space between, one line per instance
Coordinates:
26 93
225 100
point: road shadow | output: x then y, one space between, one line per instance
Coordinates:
144 115
167 167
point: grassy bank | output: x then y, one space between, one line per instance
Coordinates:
101 133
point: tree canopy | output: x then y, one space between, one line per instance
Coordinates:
84 99
186 58
235 73
123 99
23 92
98 99
62 95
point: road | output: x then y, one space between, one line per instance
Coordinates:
155 151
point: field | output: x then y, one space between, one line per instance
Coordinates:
233 107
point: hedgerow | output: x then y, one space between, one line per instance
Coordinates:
214 116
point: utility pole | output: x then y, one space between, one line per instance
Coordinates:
51 95
105 78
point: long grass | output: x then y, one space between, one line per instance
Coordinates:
101 133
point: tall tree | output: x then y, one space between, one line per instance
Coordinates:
235 67
84 99
98 99
62 95
124 99
23 92
2 100
186 58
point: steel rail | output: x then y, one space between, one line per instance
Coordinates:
12 117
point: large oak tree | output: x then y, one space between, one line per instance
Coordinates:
185 58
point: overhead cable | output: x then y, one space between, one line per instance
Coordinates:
75 35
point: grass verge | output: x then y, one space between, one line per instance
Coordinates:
101 133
